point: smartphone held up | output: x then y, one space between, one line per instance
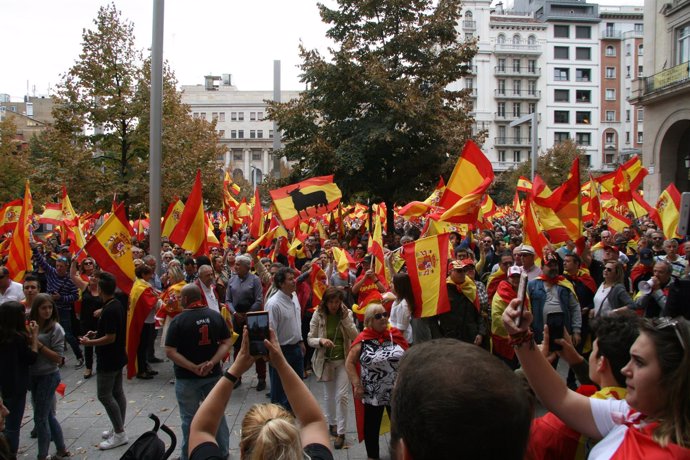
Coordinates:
258 328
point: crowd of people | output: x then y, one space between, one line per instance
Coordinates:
611 308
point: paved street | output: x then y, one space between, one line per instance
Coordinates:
83 418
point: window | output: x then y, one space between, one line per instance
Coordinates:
516 156
640 50
469 35
516 65
583 118
583 139
517 86
532 40
640 71
583 96
259 133
640 115
240 116
561 116
640 137
237 156
610 51
221 133
259 116
561 95
532 87
532 66
561 74
583 74
256 156
627 72
583 32
627 137
516 39
610 94
501 134
683 44
586 160
501 39
202 115
252 134
531 107
501 87
610 115
627 115
583 53
252 116
222 116
194 115
628 49
270 134
501 65
639 28
233 116
240 133
516 110
469 83
502 156
610 72
610 139
517 134
561 52
233 134
214 116
560 136
561 31
501 109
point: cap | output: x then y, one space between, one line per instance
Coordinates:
461 264
610 247
514 270
527 249
646 257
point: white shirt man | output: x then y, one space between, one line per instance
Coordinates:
9 290
205 283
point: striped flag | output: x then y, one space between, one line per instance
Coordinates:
52 214
427 266
19 260
142 299
319 283
190 231
668 207
310 198
635 173
617 221
9 215
111 248
172 217
343 262
375 248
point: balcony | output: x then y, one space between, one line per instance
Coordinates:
517 94
611 34
472 92
507 117
472 70
469 25
522 47
504 165
669 77
517 72
503 141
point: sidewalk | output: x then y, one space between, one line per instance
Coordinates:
83 418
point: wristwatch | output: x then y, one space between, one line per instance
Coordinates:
230 377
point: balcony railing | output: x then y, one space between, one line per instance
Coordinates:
517 94
468 24
520 71
611 34
669 77
520 47
513 141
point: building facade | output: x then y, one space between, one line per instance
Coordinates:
663 91
240 122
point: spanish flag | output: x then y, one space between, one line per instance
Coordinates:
668 207
375 248
256 228
310 198
524 185
142 300
190 231
111 248
427 266
52 214
172 217
532 230
9 215
19 260
617 221
343 262
635 173
319 283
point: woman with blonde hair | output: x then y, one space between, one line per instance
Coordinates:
268 430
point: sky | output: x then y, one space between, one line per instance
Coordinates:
42 39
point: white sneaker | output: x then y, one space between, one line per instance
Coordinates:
106 434
116 440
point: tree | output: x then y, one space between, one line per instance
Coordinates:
381 115
13 162
553 167
99 144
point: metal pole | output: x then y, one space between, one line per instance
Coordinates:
276 133
535 144
155 134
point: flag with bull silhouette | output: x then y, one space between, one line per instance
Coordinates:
309 198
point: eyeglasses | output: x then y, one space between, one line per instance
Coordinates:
608 269
381 315
87 262
664 322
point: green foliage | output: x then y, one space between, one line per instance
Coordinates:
99 144
380 114
13 162
553 167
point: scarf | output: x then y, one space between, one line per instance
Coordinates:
390 333
468 289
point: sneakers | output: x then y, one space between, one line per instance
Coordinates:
339 442
106 434
116 440
261 386
80 363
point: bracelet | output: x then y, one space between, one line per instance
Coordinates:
230 377
517 340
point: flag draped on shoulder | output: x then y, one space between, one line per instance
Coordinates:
111 248
142 300
309 198
190 231
668 208
19 260
427 266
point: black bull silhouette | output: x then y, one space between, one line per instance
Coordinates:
302 202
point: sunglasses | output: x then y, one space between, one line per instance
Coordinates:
608 269
665 322
381 315
87 262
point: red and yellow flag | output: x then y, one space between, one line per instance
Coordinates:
524 185
617 221
668 207
532 233
427 266
635 174
19 260
256 228
310 198
190 231
172 217
375 248
111 248
343 262
52 214
319 283
142 299
9 215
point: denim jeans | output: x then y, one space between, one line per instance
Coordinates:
47 427
13 422
111 395
66 323
190 393
295 358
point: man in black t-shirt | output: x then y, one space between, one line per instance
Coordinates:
197 340
111 357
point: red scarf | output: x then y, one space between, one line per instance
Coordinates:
390 333
585 278
639 270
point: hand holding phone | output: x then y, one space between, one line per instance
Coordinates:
556 323
258 328
521 296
